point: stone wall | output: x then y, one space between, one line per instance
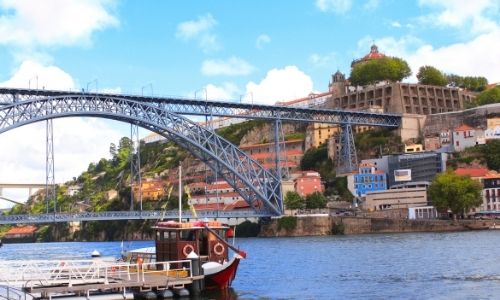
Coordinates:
323 225
474 117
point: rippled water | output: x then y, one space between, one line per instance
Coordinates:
461 265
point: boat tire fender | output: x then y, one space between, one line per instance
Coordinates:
219 249
187 249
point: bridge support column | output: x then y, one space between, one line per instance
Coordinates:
347 161
1 192
50 185
281 167
135 166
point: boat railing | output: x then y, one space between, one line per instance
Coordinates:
38 273
12 293
42 273
176 268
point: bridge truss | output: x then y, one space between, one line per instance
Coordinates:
260 188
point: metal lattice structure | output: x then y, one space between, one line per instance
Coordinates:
50 181
135 165
186 106
260 188
348 161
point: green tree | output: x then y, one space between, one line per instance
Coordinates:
432 76
294 201
491 152
375 70
454 192
473 83
315 200
489 96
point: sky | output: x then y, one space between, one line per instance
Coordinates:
250 51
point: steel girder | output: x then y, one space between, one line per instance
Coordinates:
347 160
224 109
260 188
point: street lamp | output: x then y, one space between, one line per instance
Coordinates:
249 93
95 82
150 86
29 82
202 89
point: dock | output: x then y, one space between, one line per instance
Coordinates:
91 278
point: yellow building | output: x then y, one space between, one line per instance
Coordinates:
319 133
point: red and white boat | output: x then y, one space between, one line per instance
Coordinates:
175 241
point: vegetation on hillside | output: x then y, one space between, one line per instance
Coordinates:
488 154
488 96
235 132
376 70
377 142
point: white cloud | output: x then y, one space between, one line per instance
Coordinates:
262 40
371 4
77 141
395 24
32 74
233 67
201 31
278 85
319 60
226 91
53 22
336 6
477 57
476 16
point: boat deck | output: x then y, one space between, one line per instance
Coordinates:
47 279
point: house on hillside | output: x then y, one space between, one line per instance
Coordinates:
22 234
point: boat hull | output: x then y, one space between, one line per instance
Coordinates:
223 278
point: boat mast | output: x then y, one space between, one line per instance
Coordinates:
180 193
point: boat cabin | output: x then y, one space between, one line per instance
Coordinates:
174 241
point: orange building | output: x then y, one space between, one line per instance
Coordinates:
308 182
152 189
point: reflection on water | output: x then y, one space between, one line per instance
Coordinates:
461 265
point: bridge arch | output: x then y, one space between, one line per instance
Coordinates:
259 187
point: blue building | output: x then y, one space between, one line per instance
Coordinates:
369 179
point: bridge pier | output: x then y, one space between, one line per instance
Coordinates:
347 161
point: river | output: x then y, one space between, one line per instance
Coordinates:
461 265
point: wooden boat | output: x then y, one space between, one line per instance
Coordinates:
176 241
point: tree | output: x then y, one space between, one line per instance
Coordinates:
315 200
491 152
294 201
454 192
375 70
432 76
472 83
489 96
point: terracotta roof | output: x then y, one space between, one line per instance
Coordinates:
492 175
472 172
464 128
21 230
374 54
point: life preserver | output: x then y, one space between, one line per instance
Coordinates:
187 249
219 249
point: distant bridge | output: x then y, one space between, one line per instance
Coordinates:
29 186
259 187
123 215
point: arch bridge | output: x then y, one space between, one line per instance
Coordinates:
259 187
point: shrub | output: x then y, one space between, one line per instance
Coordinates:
288 223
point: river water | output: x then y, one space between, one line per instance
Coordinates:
462 265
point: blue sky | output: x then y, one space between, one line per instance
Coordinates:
262 51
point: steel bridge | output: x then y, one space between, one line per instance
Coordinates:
259 187
125 215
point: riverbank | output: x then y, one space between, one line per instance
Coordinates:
318 225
